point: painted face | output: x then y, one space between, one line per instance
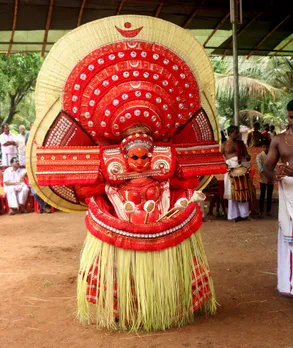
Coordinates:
138 159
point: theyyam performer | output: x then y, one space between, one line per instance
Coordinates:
126 129
281 148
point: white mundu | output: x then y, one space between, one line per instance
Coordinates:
20 140
285 238
235 209
16 194
8 152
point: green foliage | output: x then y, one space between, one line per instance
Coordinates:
265 85
18 74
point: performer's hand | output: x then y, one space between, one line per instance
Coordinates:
284 170
279 177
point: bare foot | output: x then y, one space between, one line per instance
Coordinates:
11 211
204 219
22 209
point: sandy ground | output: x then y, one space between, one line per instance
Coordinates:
38 267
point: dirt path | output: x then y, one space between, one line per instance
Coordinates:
39 263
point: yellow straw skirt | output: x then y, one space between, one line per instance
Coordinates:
137 290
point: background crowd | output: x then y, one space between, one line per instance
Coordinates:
14 181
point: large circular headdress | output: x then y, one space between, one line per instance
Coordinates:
111 74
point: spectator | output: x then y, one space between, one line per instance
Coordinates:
223 136
265 132
265 184
8 145
20 141
43 206
272 131
254 143
28 133
255 138
15 188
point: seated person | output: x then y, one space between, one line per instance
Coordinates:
43 206
15 188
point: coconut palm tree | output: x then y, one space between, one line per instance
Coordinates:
265 85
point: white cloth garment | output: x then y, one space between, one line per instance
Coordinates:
20 141
16 194
235 209
285 237
7 151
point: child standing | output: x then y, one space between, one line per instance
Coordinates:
265 185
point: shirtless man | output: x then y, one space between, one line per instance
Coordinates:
281 148
235 153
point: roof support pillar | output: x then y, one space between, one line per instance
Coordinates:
234 20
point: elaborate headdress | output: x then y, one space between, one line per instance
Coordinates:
136 140
107 76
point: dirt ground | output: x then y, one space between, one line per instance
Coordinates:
38 265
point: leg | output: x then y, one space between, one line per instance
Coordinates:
243 208
285 260
11 197
201 204
270 188
39 200
22 198
263 188
233 211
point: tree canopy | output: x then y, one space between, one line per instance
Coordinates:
265 85
18 74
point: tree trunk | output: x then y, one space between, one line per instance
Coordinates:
12 110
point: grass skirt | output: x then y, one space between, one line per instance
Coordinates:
134 290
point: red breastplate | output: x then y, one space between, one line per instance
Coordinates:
140 191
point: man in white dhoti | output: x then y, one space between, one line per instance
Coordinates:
20 141
8 145
235 153
14 187
282 148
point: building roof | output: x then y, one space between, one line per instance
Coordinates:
266 29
